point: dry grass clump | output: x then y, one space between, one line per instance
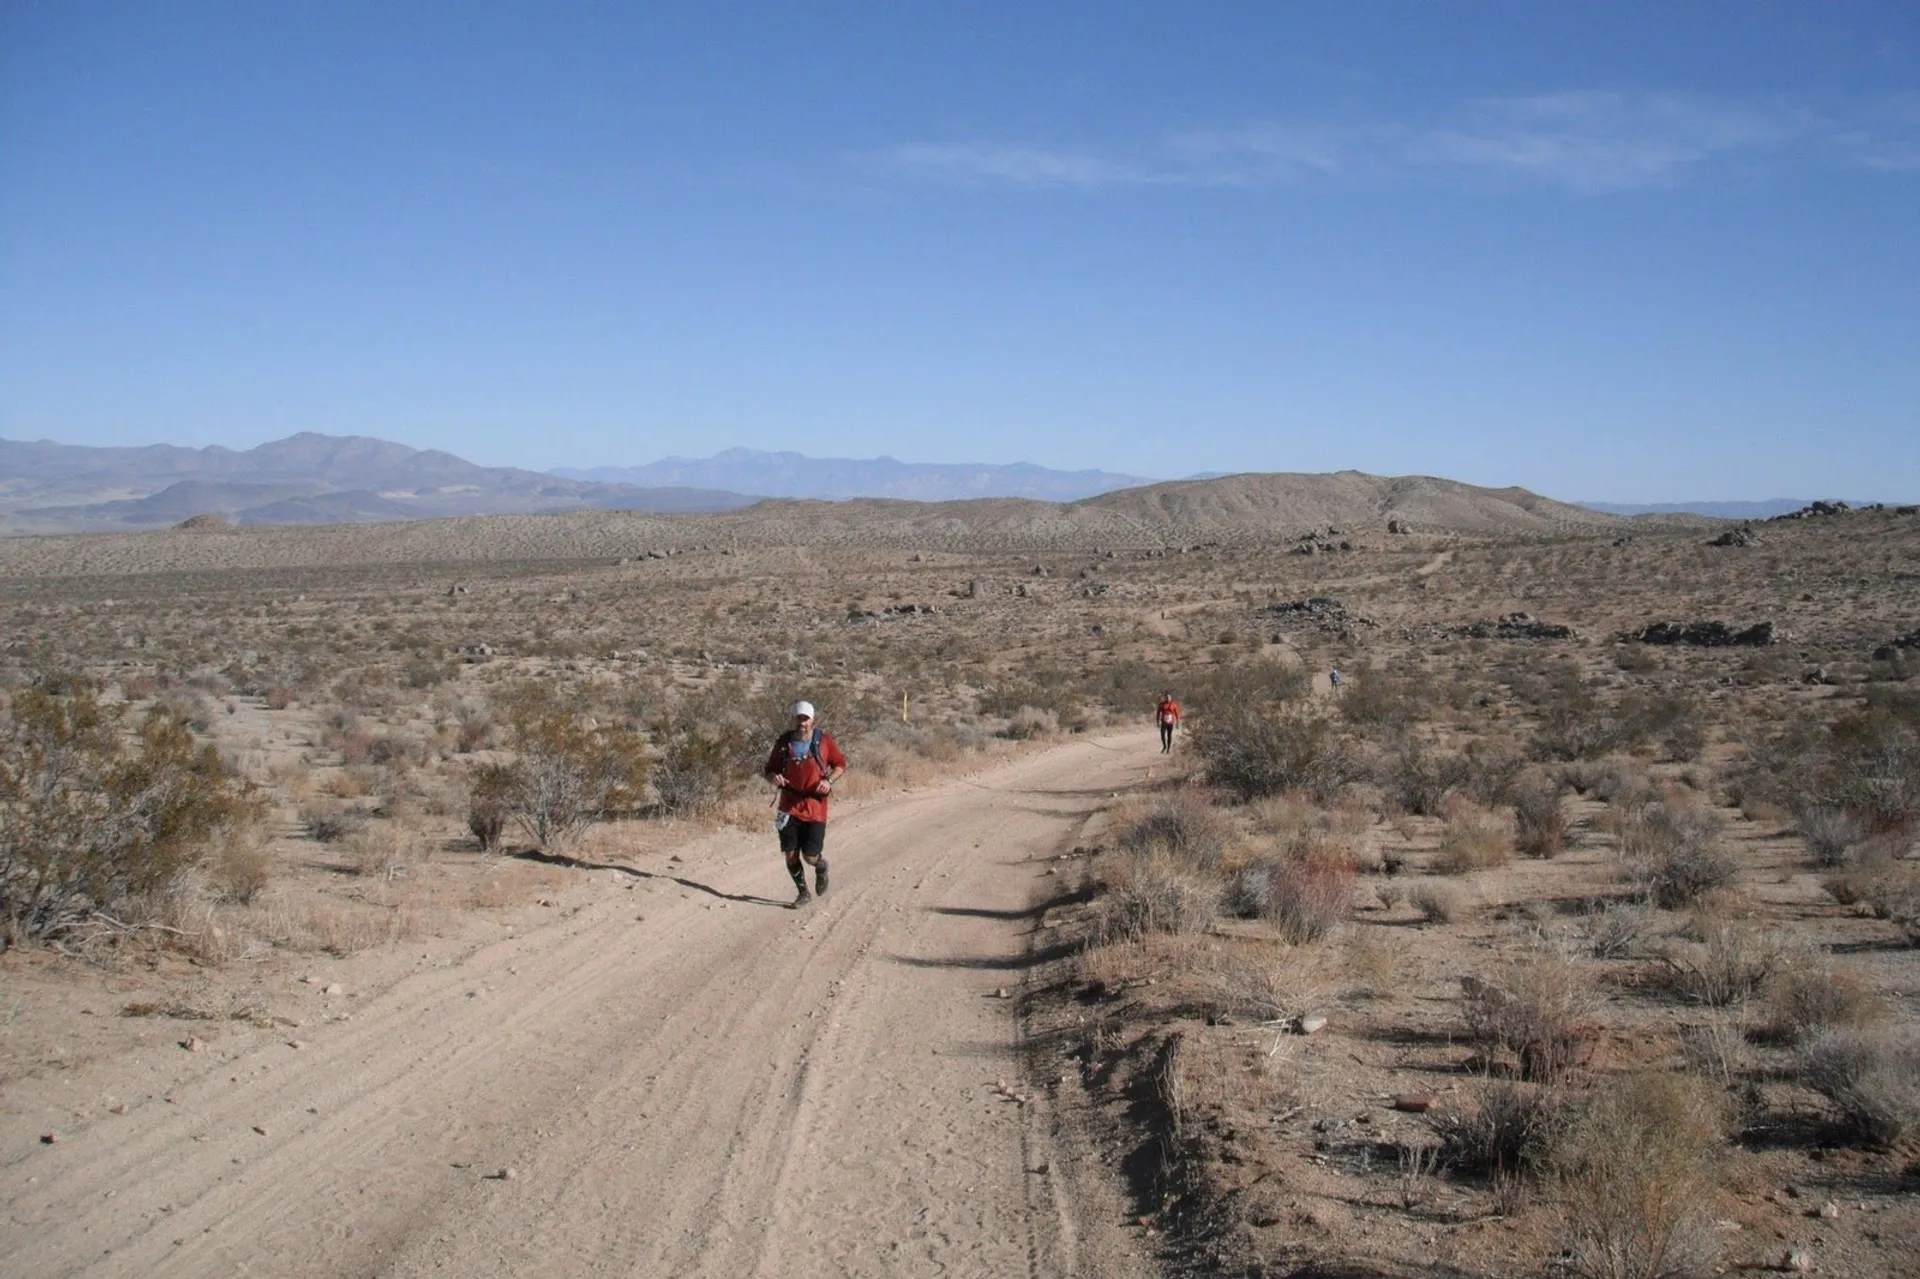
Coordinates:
1674 848
1029 722
1539 1010
1504 1132
1805 999
238 865
1727 965
1872 1078
1305 893
1474 839
1618 929
1182 825
1437 901
1154 893
1629 1166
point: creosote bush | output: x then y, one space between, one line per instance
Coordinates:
1806 998
568 771
1253 751
89 820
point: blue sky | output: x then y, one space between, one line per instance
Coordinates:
1637 252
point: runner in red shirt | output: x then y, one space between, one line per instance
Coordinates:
805 764
1167 714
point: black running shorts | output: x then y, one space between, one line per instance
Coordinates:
805 838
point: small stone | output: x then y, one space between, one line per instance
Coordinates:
508 1174
49 1138
1308 1025
118 1108
1829 1210
261 1129
1003 993
1798 1259
193 1044
1415 1103
333 988
296 1044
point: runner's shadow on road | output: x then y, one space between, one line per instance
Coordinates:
574 863
990 963
1035 911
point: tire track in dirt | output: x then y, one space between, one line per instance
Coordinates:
724 1088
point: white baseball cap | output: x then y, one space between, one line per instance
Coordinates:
803 708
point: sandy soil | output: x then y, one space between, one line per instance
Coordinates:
674 1075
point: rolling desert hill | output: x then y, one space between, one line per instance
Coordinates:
1238 510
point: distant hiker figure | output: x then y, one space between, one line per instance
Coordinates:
804 765
1333 680
1167 715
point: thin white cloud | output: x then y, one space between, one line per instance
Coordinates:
1587 142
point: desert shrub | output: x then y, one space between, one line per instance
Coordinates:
1628 1168
1257 684
1676 851
423 671
1865 764
1505 1130
1537 1010
1872 1078
1438 902
1305 893
1055 691
1474 839
1028 722
1253 751
1129 688
1728 965
1574 724
1419 778
1183 825
329 823
1829 832
1493 772
1671 718
1805 998
1382 697
568 770
708 751
487 791
1539 818
89 820
1154 894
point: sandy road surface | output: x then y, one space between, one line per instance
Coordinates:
725 1087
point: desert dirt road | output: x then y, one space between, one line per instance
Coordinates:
677 1076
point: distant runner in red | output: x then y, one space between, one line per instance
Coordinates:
1168 716
805 764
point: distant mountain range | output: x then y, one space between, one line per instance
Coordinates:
306 479
794 475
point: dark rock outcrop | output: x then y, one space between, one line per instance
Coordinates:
1703 635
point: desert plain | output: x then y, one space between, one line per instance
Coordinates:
1576 932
